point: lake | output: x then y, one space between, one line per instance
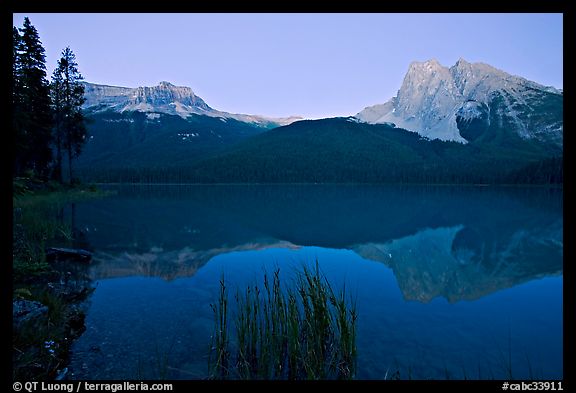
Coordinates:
450 282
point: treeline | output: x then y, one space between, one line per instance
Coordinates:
137 175
341 151
546 171
48 125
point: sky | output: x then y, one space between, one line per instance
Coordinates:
311 65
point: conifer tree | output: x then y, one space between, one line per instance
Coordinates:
17 128
56 90
33 117
67 99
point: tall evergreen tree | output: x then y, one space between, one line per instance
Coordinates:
16 42
68 97
33 113
58 104
17 129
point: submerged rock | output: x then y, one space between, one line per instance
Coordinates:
58 254
61 374
24 311
75 322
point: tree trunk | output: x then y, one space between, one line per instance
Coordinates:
70 163
58 156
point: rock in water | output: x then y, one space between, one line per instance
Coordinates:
61 374
59 254
24 311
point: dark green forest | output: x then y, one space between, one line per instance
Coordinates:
137 139
340 150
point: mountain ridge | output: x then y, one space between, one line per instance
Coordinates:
469 123
433 98
164 98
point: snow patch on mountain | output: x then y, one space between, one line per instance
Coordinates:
153 116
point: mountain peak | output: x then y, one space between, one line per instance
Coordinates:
433 99
428 65
164 98
156 98
461 62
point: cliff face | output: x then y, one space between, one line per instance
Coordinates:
441 103
166 94
163 98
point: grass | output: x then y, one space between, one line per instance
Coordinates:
306 331
35 226
38 222
40 346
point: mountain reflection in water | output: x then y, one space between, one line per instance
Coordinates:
460 243
450 282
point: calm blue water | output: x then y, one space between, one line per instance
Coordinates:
450 282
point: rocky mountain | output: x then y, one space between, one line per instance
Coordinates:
164 98
469 123
463 102
158 127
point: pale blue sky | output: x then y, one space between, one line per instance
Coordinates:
313 65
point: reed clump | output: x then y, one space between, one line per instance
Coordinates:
305 331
